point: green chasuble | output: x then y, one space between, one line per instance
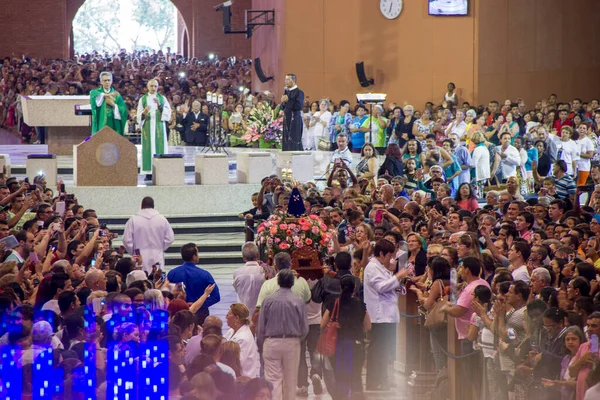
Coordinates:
154 135
103 115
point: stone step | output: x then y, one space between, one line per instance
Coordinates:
218 243
208 258
175 219
194 227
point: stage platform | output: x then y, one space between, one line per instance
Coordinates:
19 152
187 200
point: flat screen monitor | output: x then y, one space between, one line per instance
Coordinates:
448 7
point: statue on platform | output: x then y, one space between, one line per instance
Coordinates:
152 113
108 107
305 237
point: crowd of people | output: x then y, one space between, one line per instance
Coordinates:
446 212
182 81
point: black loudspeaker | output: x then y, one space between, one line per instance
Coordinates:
259 72
362 77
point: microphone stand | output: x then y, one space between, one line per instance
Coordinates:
216 133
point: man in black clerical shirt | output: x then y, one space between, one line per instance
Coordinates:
292 103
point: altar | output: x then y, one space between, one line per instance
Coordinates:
57 114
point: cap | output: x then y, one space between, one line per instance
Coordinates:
136 275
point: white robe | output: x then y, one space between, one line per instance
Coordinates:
166 116
248 351
150 233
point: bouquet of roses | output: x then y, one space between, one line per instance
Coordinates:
280 234
265 126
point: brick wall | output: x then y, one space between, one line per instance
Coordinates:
41 28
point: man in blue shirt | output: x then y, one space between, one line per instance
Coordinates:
195 280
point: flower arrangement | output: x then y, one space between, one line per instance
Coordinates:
281 234
265 127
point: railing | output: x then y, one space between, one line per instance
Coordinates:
413 351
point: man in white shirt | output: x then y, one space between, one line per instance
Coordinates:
381 298
148 233
458 126
342 153
248 279
25 247
518 255
510 157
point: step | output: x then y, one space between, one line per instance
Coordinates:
219 271
175 219
208 258
194 227
204 246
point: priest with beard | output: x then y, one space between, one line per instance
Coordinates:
292 103
152 113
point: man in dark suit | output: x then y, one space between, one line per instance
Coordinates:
292 103
195 125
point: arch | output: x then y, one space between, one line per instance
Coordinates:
184 7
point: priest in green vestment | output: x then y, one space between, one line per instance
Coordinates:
108 107
152 114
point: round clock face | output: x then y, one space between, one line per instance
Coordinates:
390 8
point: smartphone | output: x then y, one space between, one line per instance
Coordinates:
32 187
93 263
70 196
102 232
163 276
53 248
10 242
593 344
34 257
60 208
40 224
378 216
36 281
62 187
136 252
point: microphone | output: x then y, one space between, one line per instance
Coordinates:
287 93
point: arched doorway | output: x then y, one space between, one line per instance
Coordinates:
99 14
184 49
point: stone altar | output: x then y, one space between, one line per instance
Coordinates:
57 114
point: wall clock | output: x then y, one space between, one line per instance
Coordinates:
390 8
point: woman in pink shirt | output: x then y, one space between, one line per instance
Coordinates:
465 198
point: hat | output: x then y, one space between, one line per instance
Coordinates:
135 275
471 113
596 217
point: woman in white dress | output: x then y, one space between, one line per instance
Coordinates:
308 143
318 123
238 319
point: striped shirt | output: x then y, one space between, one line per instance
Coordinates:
565 186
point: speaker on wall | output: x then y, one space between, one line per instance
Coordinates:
259 72
362 77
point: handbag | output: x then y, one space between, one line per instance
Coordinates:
435 317
324 145
328 339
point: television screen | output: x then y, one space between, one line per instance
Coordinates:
448 7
